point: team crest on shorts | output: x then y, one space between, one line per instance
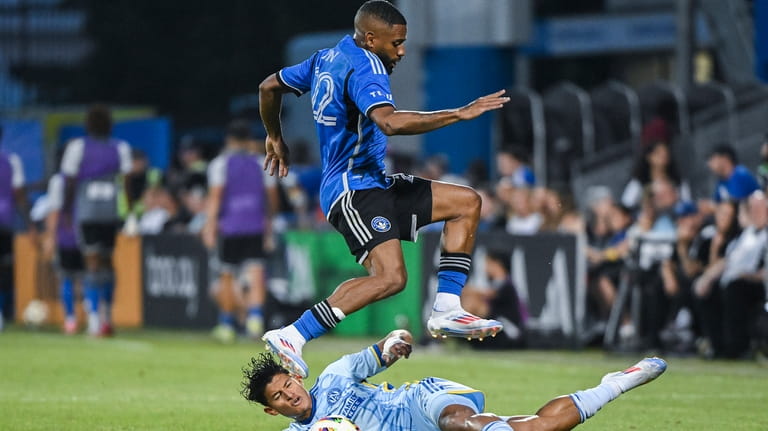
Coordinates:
380 224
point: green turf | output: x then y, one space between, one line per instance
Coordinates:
153 380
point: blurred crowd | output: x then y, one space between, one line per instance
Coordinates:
666 270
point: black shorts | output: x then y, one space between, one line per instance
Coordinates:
98 237
240 249
6 246
69 260
369 217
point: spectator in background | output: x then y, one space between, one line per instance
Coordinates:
734 181
606 263
654 164
60 245
599 203
741 277
762 169
133 185
194 198
522 218
491 215
687 262
512 166
499 301
659 127
191 156
547 202
91 166
239 220
12 198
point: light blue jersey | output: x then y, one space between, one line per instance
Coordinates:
346 83
342 389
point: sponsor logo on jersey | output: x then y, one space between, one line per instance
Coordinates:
381 224
351 404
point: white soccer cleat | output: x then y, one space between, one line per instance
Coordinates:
639 374
288 351
459 323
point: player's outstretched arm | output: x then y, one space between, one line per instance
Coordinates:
397 344
270 102
393 122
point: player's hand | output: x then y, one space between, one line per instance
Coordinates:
484 104
397 345
277 160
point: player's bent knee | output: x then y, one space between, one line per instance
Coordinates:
395 282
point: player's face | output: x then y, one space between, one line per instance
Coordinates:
389 45
286 396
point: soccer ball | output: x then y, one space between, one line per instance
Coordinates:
334 423
35 313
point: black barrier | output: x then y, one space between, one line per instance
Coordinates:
548 271
175 282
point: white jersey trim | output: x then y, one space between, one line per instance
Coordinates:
376 65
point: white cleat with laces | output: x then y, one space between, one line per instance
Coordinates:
288 351
639 374
459 323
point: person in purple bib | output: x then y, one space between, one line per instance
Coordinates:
91 165
12 198
241 201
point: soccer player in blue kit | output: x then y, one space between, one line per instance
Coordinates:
354 113
431 404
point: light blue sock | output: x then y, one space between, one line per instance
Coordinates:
589 401
68 296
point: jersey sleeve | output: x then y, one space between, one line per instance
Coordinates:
297 78
56 193
216 172
73 155
358 366
369 85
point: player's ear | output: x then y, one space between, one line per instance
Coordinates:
369 38
271 411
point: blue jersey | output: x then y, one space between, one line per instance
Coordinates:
346 83
342 389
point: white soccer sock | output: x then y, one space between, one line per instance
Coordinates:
589 401
446 302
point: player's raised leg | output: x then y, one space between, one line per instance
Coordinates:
459 207
387 276
562 413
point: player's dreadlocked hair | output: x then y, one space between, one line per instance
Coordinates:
382 10
257 375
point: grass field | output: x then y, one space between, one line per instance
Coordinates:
154 380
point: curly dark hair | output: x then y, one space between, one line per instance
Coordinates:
98 121
257 375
